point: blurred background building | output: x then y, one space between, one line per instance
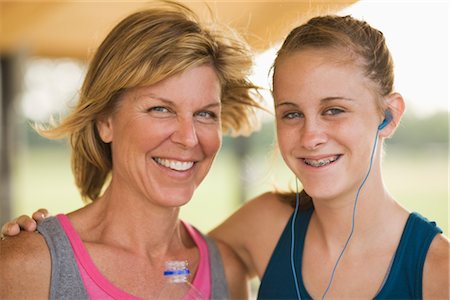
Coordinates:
45 45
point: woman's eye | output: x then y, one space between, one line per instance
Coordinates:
333 111
207 115
160 109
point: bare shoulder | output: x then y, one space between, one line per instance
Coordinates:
266 208
25 266
273 201
265 211
254 229
436 269
235 272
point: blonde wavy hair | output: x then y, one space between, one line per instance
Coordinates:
143 49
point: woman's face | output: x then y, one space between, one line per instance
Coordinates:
164 137
327 120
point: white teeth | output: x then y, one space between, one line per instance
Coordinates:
320 162
174 164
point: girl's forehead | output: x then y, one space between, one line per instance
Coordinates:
301 68
308 78
333 56
293 68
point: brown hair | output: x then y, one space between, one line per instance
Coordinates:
143 49
362 42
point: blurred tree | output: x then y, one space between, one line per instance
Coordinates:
422 132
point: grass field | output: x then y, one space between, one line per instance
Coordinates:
418 179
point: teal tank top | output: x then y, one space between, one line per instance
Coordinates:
403 281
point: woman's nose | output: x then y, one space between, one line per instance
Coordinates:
185 133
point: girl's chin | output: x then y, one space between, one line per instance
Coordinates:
318 192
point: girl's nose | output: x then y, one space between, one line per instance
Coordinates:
312 135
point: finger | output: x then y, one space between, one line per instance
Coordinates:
10 229
26 223
40 214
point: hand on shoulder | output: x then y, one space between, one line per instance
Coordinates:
436 281
24 222
25 266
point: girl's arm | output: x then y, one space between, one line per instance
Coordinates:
436 282
253 231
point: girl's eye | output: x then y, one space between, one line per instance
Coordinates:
292 115
333 111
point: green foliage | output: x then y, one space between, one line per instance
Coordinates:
419 132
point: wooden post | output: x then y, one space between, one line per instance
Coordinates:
10 83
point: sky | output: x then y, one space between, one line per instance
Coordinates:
417 33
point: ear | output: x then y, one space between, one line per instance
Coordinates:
105 129
396 105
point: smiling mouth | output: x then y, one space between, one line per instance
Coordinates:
317 163
174 164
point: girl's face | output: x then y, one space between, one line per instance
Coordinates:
327 120
164 137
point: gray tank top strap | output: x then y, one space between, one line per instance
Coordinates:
219 287
66 282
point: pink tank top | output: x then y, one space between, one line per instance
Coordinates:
99 287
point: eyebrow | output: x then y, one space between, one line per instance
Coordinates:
172 103
326 99
152 96
323 100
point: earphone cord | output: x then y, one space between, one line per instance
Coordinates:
294 273
353 217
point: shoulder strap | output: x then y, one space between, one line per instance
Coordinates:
404 280
420 233
219 287
66 282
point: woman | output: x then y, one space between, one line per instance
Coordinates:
343 236
158 92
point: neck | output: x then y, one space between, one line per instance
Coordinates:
334 219
133 224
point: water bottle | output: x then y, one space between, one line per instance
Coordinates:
177 285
